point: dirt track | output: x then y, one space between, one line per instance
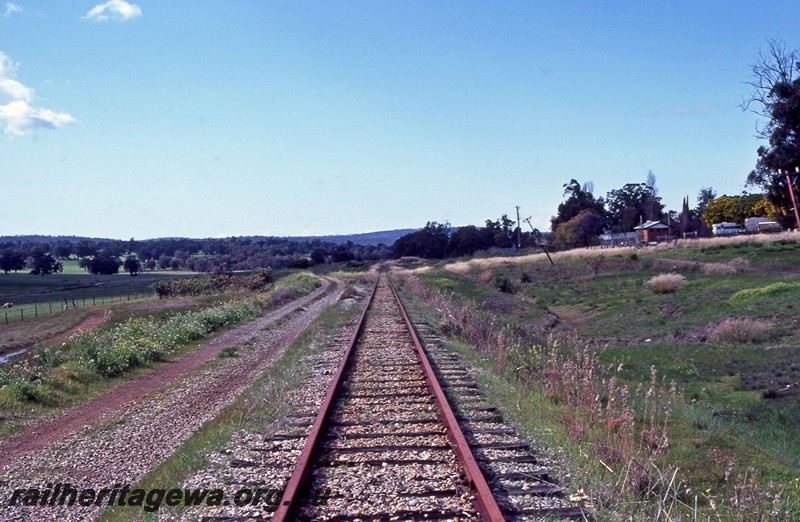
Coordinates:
123 434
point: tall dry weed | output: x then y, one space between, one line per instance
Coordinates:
464 267
665 283
734 266
742 330
626 429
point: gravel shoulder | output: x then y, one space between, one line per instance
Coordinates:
117 438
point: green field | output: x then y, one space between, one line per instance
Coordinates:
33 296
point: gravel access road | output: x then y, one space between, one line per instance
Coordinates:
117 438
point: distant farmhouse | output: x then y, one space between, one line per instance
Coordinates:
653 232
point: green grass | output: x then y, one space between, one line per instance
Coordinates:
731 411
711 377
269 391
774 256
50 379
782 292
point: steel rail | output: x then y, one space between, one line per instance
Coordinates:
313 444
484 502
484 498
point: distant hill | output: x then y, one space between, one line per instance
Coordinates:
387 237
39 238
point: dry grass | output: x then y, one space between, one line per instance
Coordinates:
460 267
718 269
485 276
762 239
665 283
734 266
485 263
464 267
742 330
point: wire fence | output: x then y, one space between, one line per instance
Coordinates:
17 312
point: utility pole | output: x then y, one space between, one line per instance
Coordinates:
538 236
519 230
791 193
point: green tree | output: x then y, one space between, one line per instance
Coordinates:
318 256
577 199
776 98
132 265
429 242
43 263
467 240
686 216
11 258
721 209
582 230
704 197
500 232
104 263
343 252
633 203
733 209
85 248
164 261
62 249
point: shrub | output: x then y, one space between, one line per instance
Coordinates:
38 392
503 283
742 330
787 291
213 284
665 283
136 341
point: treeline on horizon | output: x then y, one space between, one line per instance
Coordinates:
579 221
107 256
582 218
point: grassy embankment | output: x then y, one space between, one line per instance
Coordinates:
136 339
585 354
259 409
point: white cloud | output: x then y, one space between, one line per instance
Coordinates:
11 8
13 90
7 67
20 118
17 116
118 10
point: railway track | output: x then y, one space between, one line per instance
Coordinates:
386 444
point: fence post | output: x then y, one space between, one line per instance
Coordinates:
6 318
35 310
50 304
21 314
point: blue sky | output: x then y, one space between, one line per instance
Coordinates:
210 119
